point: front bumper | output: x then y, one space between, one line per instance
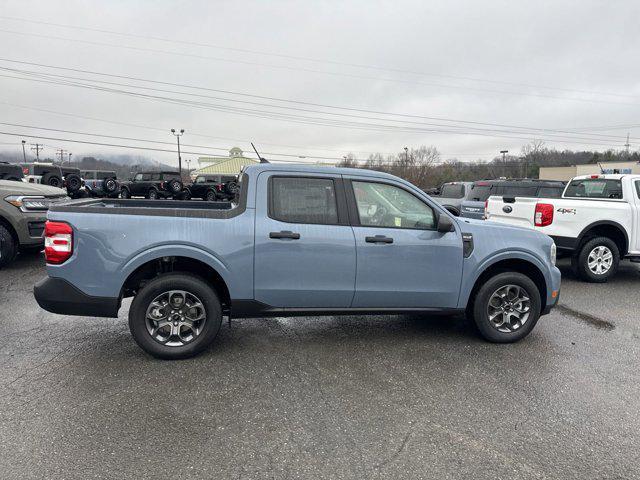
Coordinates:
553 286
57 295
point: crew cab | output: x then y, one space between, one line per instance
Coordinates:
212 187
300 240
597 221
152 185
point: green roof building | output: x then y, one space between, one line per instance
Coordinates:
224 165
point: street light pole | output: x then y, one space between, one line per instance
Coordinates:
24 155
504 152
406 154
178 135
69 158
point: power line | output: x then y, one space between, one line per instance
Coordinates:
334 107
300 119
308 70
310 59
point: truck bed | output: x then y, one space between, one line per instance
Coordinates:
168 208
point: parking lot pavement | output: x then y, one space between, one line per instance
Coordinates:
330 397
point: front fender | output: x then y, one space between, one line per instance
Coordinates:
477 269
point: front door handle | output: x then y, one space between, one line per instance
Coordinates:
285 234
378 239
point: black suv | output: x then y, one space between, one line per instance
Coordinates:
214 187
473 206
152 185
11 171
54 176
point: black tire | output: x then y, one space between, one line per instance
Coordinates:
174 186
211 196
74 183
452 210
125 193
184 195
152 194
8 247
164 283
582 260
231 187
52 179
481 306
110 185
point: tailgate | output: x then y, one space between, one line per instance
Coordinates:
518 211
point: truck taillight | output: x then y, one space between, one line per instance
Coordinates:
58 242
543 215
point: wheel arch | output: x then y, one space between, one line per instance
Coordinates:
155 265
605 228
521 265
452 210
7 224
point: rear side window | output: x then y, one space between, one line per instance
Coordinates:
146 177
550 192
303 200
450 190
594 188
170 176
638 188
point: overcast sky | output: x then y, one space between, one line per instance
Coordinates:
551 65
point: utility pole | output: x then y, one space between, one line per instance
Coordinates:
504 153
406 155
178 135
24 155
627 145
36 147
69 157
61 152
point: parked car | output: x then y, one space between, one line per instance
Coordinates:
474 205
451 195
11 171
214 187
23 210
597 221
152 185
289 247
101 183
55 176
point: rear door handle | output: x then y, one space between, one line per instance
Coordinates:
285 234
378 239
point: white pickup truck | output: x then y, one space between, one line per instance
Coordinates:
597 221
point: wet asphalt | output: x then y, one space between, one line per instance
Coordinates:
407 397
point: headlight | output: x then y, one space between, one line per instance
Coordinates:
552 253
28 204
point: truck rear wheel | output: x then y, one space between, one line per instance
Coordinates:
152 194
507 307
8 247
597 260
176 315
211 196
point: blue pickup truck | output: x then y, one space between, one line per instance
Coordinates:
298 240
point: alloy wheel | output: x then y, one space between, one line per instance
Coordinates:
175 318
509 308
600 260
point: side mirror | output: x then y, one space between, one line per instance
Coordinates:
445 224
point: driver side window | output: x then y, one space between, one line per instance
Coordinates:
138 177
387 206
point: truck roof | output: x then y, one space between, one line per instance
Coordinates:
300 167
609 176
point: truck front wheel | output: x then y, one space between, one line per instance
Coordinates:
176 315
506 307
597 260
8 247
